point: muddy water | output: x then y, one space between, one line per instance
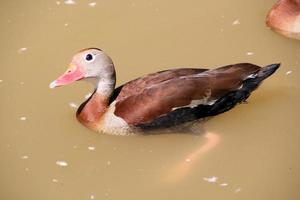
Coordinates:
251 152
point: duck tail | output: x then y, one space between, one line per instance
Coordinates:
235 97
267 71
252 83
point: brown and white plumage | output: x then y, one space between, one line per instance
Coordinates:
159 100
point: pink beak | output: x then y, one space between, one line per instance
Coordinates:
71 75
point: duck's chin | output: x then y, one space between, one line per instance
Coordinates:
92 80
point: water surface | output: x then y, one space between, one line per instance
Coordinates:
251 152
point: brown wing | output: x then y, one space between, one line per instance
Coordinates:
136 86
152 99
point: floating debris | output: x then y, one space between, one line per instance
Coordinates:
66 24
212 179
62 163
288 72
92 197
73 105
237 190
70 2
91 148
23 118
23 49
1 81
92 4
249 53
54 180
108 163
24 157
224 184
58 3
236 22
188 160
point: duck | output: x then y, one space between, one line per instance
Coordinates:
159 100
284 18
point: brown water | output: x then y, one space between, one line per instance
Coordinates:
251 152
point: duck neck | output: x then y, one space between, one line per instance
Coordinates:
93 109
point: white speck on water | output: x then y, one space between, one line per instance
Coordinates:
24 157
188 160
212 179
62 163
66 24
73 105
237 190
54 180
92 197
1 81
23 49
236 22
91 148
87 95
250 53
108 163
224 184
288 72
70 2
57 2
92 4
23 118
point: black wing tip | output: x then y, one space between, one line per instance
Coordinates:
269 70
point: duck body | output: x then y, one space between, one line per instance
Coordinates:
284 18
167 98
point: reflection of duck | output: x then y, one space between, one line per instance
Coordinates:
284 18
161 99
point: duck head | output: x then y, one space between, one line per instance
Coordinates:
90 64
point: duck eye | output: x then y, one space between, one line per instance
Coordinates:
89 57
